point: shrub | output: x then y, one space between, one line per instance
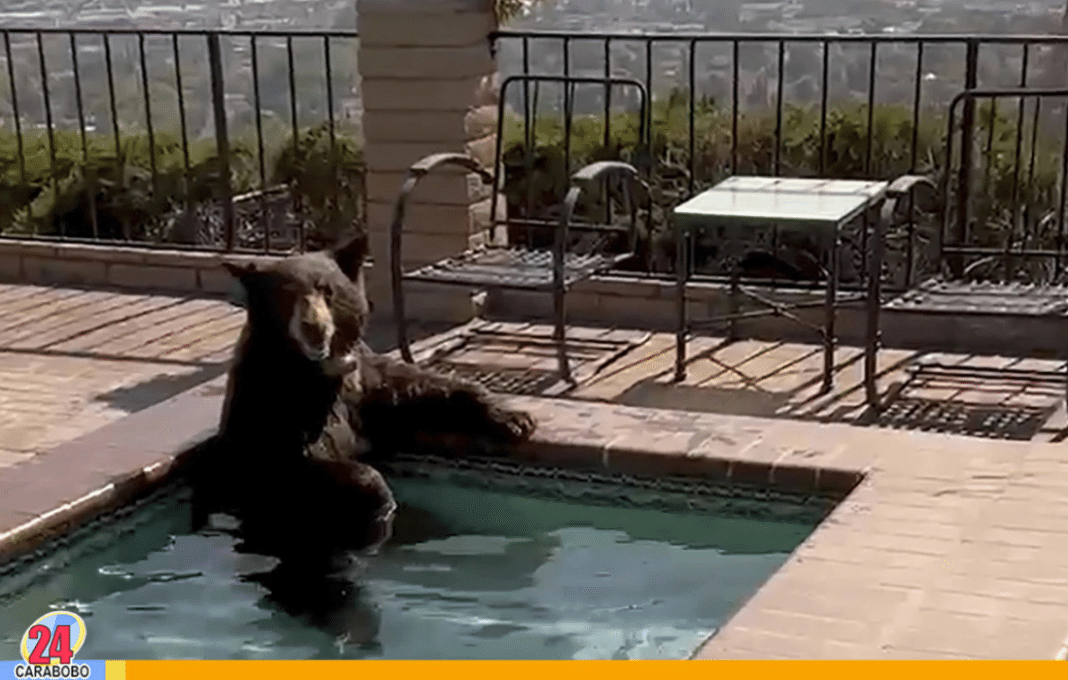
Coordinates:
325 179
535 186
115 193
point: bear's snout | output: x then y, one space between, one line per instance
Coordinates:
312 328
315 338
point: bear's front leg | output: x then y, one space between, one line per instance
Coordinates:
338 441
397 406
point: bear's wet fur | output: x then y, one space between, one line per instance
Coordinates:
402 407
297 433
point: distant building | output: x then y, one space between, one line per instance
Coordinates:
351 108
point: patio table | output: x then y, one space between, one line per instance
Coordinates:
745 215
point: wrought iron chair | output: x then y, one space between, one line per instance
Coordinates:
555 270
903 196
959 288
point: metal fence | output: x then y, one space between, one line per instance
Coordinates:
145 136
1024 244
864 106
223 139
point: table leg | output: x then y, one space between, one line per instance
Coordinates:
560 335
681 275
875 283
830 310
733 300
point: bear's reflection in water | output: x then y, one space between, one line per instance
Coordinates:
329 599
325 589
330 590
317 577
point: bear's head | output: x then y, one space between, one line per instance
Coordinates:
316 303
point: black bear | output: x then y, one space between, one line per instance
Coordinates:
308 404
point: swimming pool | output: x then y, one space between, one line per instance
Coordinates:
486 561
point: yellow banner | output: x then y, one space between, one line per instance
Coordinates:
581 670
115 670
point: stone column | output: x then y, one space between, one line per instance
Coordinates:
429 85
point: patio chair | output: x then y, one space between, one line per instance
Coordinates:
554 269
960 287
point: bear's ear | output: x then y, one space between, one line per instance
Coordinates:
238 295
351 254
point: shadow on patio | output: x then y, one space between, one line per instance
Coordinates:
768 379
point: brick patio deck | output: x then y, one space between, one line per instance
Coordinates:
72 360
779 380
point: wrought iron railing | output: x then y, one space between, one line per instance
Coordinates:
117 135
145 136
865 106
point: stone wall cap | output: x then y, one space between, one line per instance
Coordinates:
426 6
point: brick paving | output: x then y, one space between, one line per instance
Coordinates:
72 360
949 547
782 380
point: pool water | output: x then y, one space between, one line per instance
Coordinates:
474 570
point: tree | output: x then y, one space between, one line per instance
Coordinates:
506 10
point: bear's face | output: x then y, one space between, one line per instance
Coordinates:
315 302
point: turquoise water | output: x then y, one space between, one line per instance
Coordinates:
471 571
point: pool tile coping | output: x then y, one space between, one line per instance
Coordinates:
897 488
109 466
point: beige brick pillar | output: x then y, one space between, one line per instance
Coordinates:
429 85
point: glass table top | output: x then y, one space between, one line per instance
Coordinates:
829 201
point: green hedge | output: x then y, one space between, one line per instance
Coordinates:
844 150
327 181
119 188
